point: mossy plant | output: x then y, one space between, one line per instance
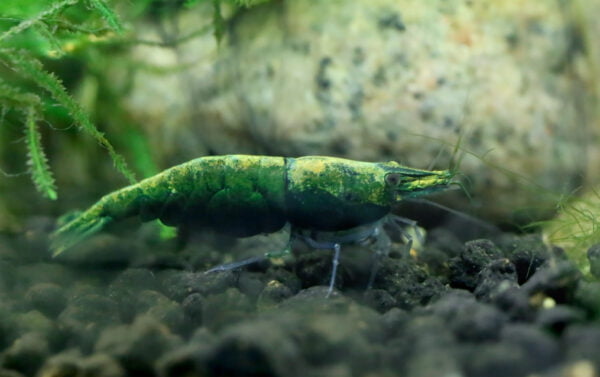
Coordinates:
576 228
33 32
41 34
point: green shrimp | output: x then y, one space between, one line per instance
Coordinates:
327 201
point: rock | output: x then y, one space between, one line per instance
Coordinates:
465 269
527 253
425 348
314 268
557 318
250 284
72 363
62 365
140 278
496 360
587 296
85 317
122 291
177 285
419 293
48 298
540 349
315 296
469 320
223 309
35 322
161 308
515 303
8 326
495 278
255 348
393 321
287 278
101 365
593 255
379 300
582 342
26 354
10 373
554 279
28 275
581 368
342 79
188 360
137 346
192 307
7 276
272 294
407 282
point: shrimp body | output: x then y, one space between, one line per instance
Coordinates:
244 195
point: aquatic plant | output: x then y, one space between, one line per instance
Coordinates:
38 34
32 34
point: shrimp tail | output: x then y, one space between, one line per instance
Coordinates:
81 227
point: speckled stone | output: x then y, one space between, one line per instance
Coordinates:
380 80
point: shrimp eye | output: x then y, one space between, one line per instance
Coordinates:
393 179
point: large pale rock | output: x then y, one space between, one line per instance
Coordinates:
384 79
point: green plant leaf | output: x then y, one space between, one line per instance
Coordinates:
109 15
37 161
31 68
218 21
25 24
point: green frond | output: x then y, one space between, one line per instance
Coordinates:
37 161
109 16
11 97
218 21
249 3
57 48
31 68
25 24
191 3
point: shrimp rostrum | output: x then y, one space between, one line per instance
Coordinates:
327 201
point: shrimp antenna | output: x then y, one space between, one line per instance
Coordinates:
482 223
462 186
457 151
456 158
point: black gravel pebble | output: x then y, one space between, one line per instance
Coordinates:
84 318
137 346
48 298
255 349
556 279
559 317
273 293
507 307
192 307
587 297
26 354
582 342
593 255
465 269
496 277
527 253
379 299
177 285
468 319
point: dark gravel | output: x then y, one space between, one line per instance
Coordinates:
507 306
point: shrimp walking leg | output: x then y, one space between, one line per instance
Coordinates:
252 260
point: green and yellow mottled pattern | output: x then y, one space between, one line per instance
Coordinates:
245 195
